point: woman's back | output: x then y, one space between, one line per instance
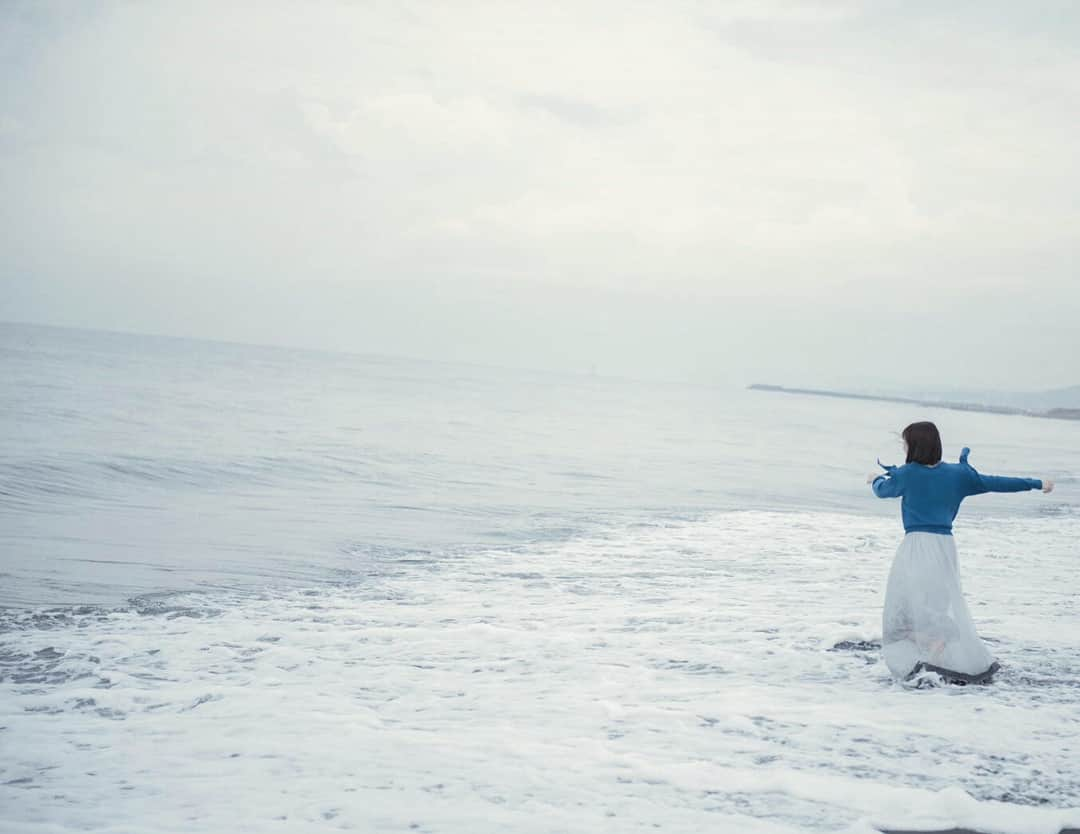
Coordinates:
932 494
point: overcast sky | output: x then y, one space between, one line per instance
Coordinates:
795 192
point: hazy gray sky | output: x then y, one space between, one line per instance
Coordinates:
796 192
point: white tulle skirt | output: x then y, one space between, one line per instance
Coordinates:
926 624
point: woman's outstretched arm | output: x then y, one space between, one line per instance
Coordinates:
886 486
979 483
999 483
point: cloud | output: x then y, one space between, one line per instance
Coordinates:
851 155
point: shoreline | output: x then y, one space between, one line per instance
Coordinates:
1048 414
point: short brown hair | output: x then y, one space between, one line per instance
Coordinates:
923 443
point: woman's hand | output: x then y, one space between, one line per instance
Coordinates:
1048 485
873 476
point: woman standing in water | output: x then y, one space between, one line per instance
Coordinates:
926 625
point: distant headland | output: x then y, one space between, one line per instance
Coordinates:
1050 413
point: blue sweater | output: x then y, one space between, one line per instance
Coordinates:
932 494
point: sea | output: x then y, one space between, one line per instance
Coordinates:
264 589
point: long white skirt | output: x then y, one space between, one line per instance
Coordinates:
926 620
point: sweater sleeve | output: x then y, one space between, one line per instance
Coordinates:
888 486
979 483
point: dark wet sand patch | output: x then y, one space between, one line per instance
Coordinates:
956 831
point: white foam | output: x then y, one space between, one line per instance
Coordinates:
676 676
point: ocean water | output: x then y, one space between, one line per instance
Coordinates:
259 589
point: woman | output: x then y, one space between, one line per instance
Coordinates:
926 626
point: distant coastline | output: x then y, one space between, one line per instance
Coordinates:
1049 413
